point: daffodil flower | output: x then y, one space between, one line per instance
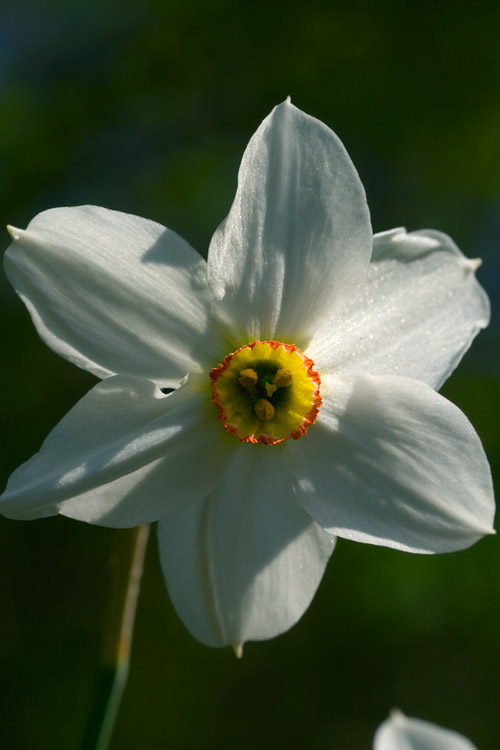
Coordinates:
400 732
304 354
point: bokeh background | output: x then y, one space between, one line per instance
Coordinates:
146 106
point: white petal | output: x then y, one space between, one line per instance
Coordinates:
403 733
245 563
416 316
125 454
389 461
113 293
297 239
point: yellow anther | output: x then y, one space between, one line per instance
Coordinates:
264 410
283 378
248 377
270 389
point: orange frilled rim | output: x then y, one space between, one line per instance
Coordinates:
308 418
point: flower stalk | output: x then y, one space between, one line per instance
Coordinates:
126 565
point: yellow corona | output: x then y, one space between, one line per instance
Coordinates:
266 392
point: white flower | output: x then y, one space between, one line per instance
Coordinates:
246 527
402 733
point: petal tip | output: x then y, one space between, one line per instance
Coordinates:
471 264
397 716
238 650
14 232
485 529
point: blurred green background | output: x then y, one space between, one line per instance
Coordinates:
146 106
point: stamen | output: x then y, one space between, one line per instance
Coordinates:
248 377
264 410
283 378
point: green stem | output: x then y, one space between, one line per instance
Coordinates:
127 561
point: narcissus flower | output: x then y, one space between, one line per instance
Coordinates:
304 354
402 733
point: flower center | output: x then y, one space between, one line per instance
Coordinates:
266 392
